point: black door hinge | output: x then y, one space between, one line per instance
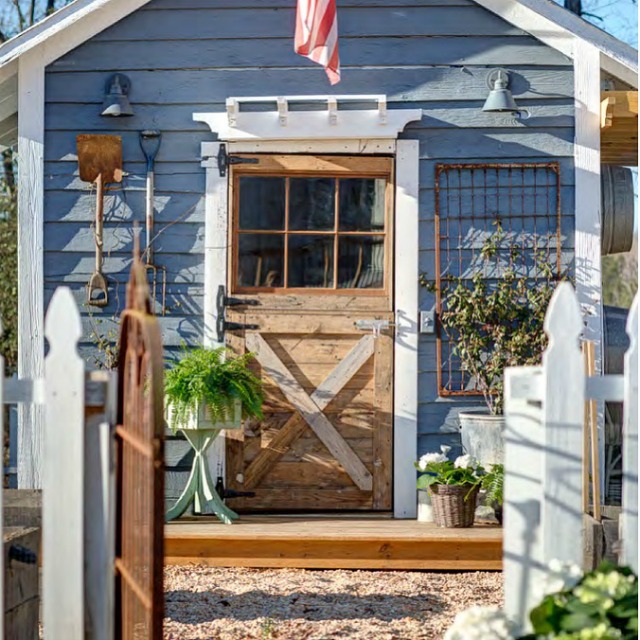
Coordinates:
223 300
224 160
222 325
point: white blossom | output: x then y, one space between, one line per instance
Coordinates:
481 623
561 576
445 449
430 457
465 462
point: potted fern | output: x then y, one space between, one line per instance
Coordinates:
211 388
493 484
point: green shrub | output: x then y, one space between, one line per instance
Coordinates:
603 604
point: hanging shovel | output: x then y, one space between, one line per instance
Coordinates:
150 141
100 162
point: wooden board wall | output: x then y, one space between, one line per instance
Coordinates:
184 56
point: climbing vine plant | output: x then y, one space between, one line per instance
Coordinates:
497 322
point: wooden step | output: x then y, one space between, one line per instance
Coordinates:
332 543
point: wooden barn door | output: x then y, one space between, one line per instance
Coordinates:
311 298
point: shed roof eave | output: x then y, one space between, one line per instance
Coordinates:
9 132
555 26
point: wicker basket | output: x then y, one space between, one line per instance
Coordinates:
450 509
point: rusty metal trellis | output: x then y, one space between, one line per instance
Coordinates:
140 470
525 199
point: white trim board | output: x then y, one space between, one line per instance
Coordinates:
405 379
405 430
31 263
283 124
215 265
588 220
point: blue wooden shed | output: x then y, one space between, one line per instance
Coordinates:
310 211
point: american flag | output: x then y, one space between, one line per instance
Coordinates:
317 35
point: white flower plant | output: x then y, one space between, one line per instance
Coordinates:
599 605
481 623
437 468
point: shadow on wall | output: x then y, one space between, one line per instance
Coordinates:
178 242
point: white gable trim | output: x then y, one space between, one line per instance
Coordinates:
68 28
562 30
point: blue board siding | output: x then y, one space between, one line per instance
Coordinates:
185 56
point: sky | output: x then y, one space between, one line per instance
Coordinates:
618 17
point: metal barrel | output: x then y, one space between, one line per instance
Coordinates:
617 209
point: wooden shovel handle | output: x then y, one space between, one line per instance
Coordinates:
99 221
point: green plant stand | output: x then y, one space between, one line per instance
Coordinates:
200 488
201 433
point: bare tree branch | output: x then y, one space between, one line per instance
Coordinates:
21 20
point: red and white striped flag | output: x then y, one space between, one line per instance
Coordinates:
317 35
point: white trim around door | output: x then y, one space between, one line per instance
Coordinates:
406 262
405 381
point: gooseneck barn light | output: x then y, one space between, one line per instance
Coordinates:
500 99
116 101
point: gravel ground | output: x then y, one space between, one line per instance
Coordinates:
298 604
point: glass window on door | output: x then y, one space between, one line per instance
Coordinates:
315 231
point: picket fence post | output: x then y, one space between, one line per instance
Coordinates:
99 509
523 561
63 597
563 407
629 516
544 412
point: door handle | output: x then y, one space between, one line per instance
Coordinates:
374 325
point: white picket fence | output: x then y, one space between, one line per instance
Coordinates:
78 476
544 410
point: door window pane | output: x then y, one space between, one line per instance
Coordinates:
362 204
311 261
260 260
312 204
262 203
360 262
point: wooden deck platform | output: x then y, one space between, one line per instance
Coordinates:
332 543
